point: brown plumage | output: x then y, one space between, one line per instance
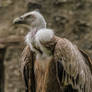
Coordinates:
53 64
56 76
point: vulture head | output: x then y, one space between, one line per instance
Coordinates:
31 19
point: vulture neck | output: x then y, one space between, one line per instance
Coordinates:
35 29
39 24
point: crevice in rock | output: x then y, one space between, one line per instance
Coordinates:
2 54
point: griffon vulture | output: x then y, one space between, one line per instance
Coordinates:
50 63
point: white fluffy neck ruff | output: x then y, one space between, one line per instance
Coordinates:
42 36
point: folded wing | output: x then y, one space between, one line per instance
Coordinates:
27 71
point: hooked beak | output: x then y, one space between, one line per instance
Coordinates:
19 20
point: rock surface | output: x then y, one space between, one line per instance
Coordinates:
69 18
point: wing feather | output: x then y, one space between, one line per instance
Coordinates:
68 54
27 65
87 59
73 64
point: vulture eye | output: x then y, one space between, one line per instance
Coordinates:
29 16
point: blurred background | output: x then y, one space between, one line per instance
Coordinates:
68 18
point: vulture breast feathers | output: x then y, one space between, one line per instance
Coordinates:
69 69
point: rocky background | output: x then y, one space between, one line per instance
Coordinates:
68 18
